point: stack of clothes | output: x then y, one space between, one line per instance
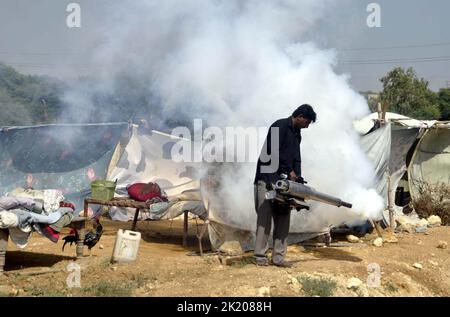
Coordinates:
23 211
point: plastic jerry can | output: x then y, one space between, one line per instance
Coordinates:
126 246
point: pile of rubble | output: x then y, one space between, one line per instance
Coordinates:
413 223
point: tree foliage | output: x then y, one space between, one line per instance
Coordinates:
26 99
444 103
406 94
30 99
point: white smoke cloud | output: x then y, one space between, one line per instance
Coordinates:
243 63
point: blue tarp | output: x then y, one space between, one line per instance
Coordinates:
60 156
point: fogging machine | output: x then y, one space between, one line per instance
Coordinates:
294 194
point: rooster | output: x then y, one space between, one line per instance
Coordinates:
90 240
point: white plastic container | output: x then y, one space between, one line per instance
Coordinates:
126 246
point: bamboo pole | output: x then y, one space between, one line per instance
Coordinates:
390 205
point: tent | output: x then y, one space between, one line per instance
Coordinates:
57 156
69 157
430 162
147 157
419 149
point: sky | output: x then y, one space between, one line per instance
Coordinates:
35 39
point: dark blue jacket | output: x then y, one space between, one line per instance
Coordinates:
288 152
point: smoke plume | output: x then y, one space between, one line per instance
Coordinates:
245 63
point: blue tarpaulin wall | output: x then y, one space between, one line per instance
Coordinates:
65 157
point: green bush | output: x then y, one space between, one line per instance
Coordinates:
322 287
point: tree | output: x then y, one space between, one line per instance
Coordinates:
444 103
406 94
12 113
26 99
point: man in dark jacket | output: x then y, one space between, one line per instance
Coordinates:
280 155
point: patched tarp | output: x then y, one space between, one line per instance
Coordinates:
431 160
377 146
402 140
387 149
66 157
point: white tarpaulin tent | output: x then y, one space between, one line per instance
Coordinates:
147 158
431 160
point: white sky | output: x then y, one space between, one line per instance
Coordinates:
34 38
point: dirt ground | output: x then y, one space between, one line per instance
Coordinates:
165 268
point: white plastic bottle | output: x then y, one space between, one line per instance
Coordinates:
126 246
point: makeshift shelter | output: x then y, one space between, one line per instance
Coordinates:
430 162
69 157
420 148
57 156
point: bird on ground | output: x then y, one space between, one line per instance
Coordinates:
90 240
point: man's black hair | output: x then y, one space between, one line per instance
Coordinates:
306 111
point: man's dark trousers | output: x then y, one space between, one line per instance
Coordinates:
266 210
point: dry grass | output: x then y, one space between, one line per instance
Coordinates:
322 287
434 199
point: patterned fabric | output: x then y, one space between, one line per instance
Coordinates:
62 157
